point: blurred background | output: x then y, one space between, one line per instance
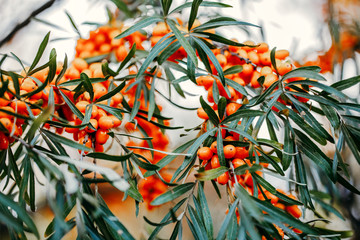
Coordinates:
321 32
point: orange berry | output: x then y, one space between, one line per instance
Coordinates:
106 122
99 148
6 122
229 151
213 147
284 68
266 70
4 141
70 129
241 153
94 123
281 54
232 108
254 80
80 64
205 153
72 73
116 121
4 101
202 114
294 210
222 59
121 53
101 136
215 163
223 178
237 162
263 47
265 58
81 105
269 80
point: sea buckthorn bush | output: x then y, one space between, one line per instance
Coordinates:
264 118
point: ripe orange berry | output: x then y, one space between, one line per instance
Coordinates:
80 64
223 178
6 122
81 105
116 121
205 153
263 47
106 122
121 53
202 114
99 148
269 80
4 141
294 210
254 80
241 153
232 108
213 147
284 68
215 163
265 58
94 123
237 162
222 59
101 136
281 54
229 151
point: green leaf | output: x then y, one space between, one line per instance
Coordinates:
246 168
73 24
210 112
211 174
72 106
313 152
331 115
173 194
287 155
203 4
205 212
115 158
222 107
197 223
226 222
233 70
40 52
311 72
127 58
212 57
21 213
346 83
242 113
166 218
38 121
280 216
325 88
58 138
247 201
139 25
350 142
220 22
122 6
236 86
327 207
193 13
112 92
184 42
160 46
117 112
220 147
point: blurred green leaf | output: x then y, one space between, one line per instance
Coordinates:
139 25
211 174
173 194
